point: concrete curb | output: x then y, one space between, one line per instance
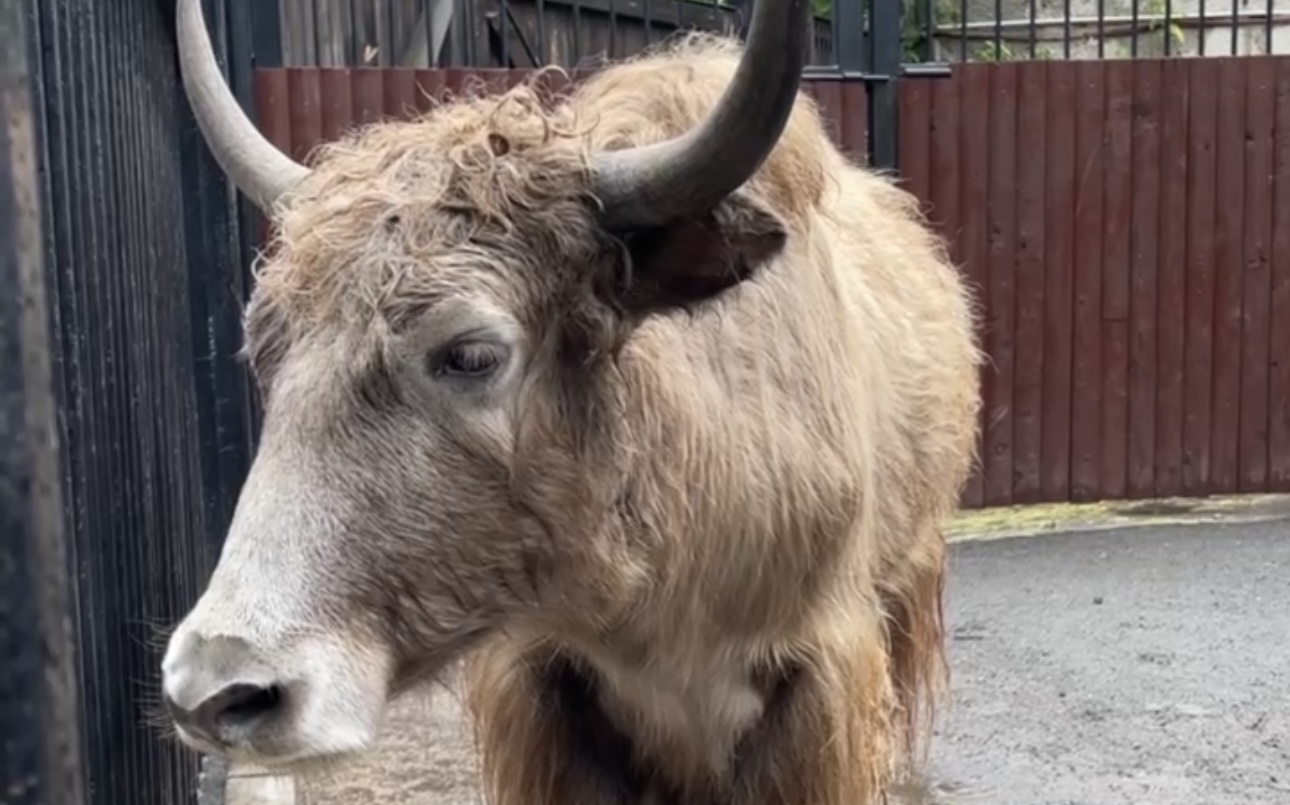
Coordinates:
1010 522
250 785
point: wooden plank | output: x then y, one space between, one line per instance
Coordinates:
273 107
368 93
1171 278
1086 362
1256 274
1001 238
303 95
1198 364
1140 474
944 195
429 89
1028 374
273 118
915 138
828 97
1225 428
336 88
492 81
399 93
1058 257
855 121
974 254
1116 269
455 83
1279 371
516 77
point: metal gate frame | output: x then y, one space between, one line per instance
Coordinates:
38 696
119 328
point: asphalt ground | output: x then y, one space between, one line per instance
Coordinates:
1125 665
1146 666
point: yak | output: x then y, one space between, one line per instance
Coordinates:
638 401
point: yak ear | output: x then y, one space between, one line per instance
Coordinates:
693 259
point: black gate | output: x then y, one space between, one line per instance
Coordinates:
125 420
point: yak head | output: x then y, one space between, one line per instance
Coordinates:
436 334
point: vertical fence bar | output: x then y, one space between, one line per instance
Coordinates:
38 701
468 25
1200 28
885 66
540 12
393 34
353 47
927 49
1268 11
612 46
577 31
313 33
1236 28
1133 29
998 30
1101 28
848 36
963 30
1169 27
427 18
244 58
265 23
1033 30
504 25
1066 29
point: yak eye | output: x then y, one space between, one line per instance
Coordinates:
468 359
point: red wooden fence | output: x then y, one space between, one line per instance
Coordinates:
1126 225
300 108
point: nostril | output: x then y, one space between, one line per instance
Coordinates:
239 705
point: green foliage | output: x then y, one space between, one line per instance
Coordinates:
916 28
1156 8
986 51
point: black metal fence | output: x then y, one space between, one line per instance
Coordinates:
522 33
853 39
125 420
878 42
39 752
1009 30
494 33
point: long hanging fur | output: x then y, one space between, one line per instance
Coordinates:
787 454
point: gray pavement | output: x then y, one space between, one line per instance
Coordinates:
1141 666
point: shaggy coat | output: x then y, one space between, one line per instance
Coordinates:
740 439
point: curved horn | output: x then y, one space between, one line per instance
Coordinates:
258 168
655 184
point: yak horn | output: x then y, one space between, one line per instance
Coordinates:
652 185
253 163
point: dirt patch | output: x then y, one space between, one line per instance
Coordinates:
426 756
